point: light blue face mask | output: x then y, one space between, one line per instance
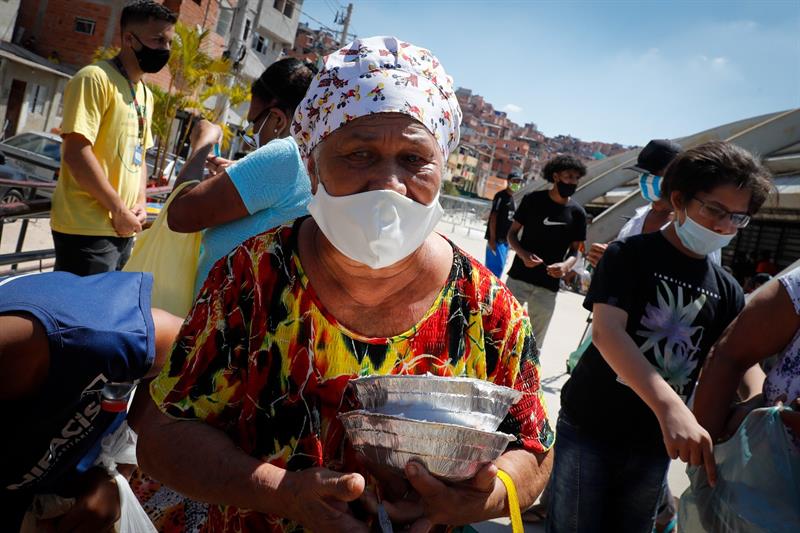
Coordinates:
699 239
650 186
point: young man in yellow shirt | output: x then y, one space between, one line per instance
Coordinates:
99 202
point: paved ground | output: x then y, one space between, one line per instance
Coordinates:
566 328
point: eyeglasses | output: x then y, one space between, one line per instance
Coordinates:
714 212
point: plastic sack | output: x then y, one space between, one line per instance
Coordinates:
758 482
119 447
172 258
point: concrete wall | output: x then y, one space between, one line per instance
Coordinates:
8 18
277 26
41 117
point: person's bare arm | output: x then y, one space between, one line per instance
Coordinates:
493 230
203 463
202 139
559 270
213 201
530 260
140 209
87 171
752 383
24 356
683 436
210 203
596 252
763 328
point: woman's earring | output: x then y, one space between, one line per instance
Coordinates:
275 130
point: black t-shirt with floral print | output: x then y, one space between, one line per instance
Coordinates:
677 308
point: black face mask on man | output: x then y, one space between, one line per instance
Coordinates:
565 190
150 60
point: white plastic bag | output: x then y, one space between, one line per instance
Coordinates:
120 448
758 482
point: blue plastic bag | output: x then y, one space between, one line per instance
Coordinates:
758 482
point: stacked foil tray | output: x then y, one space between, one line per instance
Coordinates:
447 424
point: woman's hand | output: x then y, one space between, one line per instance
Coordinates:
791 419
204 133
433 502
684 438
318 499
216 164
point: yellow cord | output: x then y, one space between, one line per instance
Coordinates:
513 502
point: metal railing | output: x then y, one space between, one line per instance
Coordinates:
468 213
33 208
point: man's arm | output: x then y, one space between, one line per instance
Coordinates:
493 230
86 169
140 209
559 270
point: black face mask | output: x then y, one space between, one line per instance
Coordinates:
565 190
150 60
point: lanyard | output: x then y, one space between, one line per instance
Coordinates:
140 110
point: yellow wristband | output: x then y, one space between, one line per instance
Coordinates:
513 502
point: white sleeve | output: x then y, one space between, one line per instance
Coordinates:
791 282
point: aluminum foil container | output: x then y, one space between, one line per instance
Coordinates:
448 451
469 402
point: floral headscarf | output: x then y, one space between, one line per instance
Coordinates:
378 75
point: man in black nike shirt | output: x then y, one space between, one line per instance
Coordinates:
553 229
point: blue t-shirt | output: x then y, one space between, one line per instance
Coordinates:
99 329
275 188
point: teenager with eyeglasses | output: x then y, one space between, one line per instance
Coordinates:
659 304
260 191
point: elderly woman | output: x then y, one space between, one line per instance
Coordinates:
247 404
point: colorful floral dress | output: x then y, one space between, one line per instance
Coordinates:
260 358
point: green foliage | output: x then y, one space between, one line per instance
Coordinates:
104 53
450 188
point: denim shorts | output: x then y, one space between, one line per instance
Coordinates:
603 485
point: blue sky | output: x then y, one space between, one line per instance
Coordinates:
615 71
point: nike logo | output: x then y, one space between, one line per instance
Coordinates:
548 222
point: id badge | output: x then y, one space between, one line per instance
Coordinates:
137 155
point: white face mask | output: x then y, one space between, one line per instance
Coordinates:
255 140
699 239
376 228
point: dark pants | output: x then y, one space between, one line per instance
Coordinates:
87 254
600 485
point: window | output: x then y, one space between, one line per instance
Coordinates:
85 26
284 6
224 21
259 44
246 33
38 99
